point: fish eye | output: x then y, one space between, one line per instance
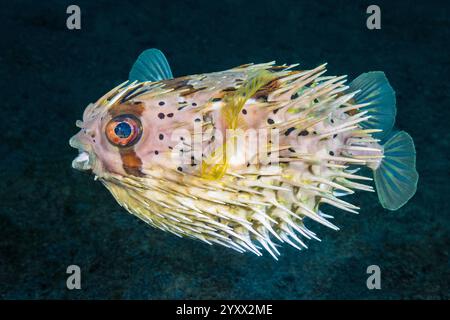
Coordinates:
124 130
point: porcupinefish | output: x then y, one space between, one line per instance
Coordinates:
244 156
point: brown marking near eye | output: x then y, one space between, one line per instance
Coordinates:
131 163
135 109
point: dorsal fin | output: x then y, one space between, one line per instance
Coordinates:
374 88
151 65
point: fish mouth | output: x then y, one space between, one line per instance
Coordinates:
83 161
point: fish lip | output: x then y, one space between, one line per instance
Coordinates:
81 162
84 161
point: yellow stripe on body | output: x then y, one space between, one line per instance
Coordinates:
216 165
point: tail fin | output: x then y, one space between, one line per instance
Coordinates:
396 177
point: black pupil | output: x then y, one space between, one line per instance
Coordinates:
123 130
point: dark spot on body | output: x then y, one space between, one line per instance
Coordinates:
276 68
156 152
288 131
264 98
161 136
180 169
229 89
303 133
265 90
216 99
291 149
161 115
194 104
244 111
197 120
170 115
294 96
331 153
270 121
161 103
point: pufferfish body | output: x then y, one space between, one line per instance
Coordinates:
243 157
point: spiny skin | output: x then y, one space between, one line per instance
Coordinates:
250 205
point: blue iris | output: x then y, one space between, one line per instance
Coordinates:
123 130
